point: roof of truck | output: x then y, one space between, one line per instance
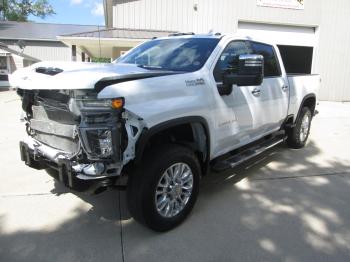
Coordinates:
192 35
217 36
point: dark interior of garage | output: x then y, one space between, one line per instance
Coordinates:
296 59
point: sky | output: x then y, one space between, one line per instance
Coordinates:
84 12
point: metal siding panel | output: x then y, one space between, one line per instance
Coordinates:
154 15
117 19
132 14
334 53
159 23
189 16
142 14
148 14
185 24
168 14
221 14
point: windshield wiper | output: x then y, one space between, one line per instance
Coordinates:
152 67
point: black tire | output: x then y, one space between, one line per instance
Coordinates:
293 139
143 182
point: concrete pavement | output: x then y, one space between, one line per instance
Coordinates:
286 205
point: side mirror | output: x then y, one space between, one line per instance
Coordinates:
250 73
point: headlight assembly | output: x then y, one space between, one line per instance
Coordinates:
98 142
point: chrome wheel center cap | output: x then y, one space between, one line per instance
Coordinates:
177 190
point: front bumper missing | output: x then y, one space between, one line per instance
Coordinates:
68 172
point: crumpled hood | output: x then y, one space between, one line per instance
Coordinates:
75 75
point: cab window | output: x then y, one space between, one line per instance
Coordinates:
271 66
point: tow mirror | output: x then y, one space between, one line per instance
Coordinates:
250 73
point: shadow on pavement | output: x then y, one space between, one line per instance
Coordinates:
257 212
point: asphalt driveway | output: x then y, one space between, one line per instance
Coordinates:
286 205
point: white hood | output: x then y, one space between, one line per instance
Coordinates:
75 75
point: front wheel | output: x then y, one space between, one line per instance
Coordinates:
162 192
299 134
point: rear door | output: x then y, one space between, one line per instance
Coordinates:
274 91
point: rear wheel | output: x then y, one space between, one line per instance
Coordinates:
299 134
163 190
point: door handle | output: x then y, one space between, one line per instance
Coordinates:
284 88
256 92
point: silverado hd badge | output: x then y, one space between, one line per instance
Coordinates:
197 82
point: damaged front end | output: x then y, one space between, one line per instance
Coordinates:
80 136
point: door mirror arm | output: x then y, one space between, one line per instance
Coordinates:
224 89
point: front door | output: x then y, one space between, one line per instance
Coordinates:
237 117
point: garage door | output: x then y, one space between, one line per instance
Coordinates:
296 43
279 34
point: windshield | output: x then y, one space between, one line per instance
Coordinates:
176 54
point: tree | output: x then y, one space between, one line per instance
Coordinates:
19 10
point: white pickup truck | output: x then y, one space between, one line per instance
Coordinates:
163 115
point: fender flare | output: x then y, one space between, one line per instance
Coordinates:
192 120
311 95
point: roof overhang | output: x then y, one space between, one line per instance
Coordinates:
101 43
28 39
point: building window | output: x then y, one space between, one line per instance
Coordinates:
3 62
74 53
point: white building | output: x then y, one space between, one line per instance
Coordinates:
313 34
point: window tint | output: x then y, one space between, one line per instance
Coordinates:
228 61
271 66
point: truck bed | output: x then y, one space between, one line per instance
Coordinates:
300 86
